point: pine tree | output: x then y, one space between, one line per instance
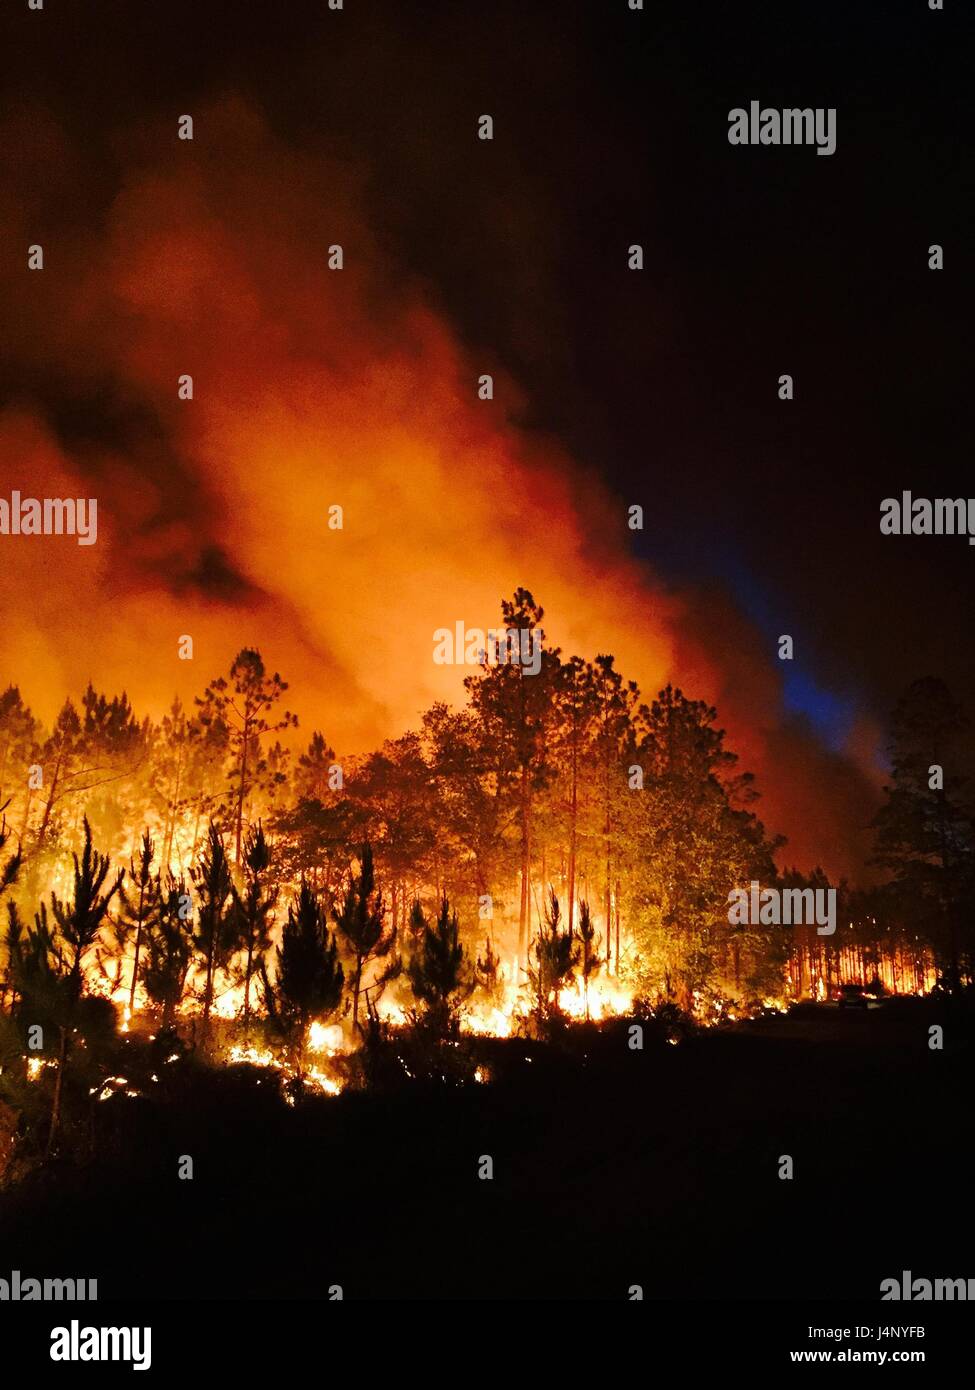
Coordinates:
590 962
204 793
50 960
243 705
361 926
926 827
691 837
489 975
439 970
553 959
522 708
169 949
254 907
575 753
9 873
137 908
616 702
59 755
394 787
312 842
214 936
36 970
19 732
43 992
312 775
11 867
80 919
472 770
168 777
309 978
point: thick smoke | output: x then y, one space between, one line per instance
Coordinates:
312 388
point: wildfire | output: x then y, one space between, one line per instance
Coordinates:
320 1039
603 999
489 1023
499 1013
119 1083
326 1038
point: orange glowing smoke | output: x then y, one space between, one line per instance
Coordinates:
312 388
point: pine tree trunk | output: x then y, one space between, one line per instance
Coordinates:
616 914
138 946
609 916
355 992
196 832
240 797
42 828
609 919
171 819
247 983
27 804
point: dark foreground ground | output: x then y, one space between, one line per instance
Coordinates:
613 1168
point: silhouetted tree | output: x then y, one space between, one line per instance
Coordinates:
80 918
49 961
361 926
312 775
394 789
243 704
103 745
926 827
590 962
214 936
472 771
137 907
309 977
692 837
254 907
169 949
10 870
553 958
439 970
489 975
18 743
522 708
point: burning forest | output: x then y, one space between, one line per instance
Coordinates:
487 788
555 853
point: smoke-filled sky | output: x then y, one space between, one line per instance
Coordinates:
314 387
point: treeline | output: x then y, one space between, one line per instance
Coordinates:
563 780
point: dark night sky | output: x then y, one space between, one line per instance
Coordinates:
611 128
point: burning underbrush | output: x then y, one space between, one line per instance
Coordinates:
81 1089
